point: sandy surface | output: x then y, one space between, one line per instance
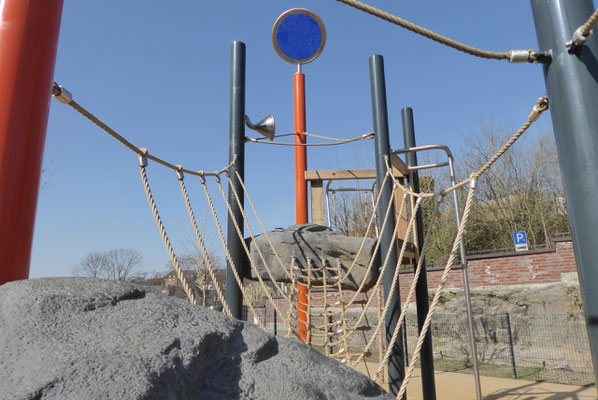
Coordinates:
455 386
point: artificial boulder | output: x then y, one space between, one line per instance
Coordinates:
322 246
78 338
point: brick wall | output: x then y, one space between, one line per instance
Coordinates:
517 268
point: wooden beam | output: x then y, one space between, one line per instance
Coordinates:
346 174
317 203
398 164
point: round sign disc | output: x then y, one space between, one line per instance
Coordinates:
299 36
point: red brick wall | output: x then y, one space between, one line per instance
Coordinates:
522 268
518 268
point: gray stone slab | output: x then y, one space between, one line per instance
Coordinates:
78 338
320 244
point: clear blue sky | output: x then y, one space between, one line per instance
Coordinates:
158 73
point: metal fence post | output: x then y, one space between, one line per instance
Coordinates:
512 350
405 348
572 86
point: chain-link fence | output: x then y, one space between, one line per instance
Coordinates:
545 347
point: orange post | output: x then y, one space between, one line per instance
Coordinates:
28 41
300 151
301 190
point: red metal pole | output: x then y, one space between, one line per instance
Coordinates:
28 41
300 151
301 191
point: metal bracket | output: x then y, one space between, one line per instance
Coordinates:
578 39
143 158
179 172
61 94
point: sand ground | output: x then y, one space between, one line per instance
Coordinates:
455 386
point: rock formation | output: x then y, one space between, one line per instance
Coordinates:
78 338
320 244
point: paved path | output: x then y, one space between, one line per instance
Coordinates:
455 386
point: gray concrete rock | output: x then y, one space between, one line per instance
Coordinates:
320 244
77 338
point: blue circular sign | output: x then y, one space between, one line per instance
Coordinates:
299 36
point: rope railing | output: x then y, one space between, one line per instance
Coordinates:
65 97
513 56
590 24
583 33
336 142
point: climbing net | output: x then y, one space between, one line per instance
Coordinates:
327 302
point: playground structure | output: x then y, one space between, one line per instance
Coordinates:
392 225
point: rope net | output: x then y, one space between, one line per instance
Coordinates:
347 325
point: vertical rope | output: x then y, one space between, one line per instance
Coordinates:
438 293
240 233
395 278
173 258
228 256
202 247
409 298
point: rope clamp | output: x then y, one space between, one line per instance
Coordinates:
578 39
179 172
541 57
61 94
368 136
143 158
539 108
202 178
520 56
473 183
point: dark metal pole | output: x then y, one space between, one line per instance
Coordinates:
396 368
421 288
236 147
572 85
511 349
465 273
405 348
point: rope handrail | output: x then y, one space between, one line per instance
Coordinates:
514 56
317 136
337 142
590 24
65 97
583 33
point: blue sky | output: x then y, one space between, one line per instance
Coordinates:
158 73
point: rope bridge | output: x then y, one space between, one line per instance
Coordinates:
328 303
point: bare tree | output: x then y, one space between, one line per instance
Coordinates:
123 264
92 265
118 264
521 192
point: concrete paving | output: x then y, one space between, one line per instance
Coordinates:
450 385
455 386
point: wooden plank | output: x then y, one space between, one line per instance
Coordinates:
399 165
317 202
345 174
404 218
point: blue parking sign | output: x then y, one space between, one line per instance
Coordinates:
520 239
